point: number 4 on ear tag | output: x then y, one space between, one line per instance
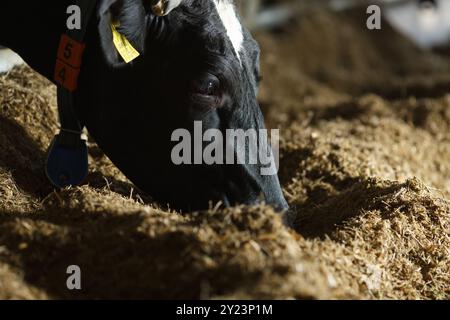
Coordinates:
67 160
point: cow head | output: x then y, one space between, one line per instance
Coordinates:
197 63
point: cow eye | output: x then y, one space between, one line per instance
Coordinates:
208 86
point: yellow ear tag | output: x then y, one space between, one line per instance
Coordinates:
123 46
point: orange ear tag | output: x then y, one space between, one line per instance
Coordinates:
68 62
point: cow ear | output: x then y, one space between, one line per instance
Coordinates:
129 17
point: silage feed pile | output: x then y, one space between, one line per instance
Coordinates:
365 166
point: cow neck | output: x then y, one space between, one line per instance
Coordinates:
33 30
67 161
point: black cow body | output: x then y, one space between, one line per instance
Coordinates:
188 70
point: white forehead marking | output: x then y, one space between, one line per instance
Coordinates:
231 23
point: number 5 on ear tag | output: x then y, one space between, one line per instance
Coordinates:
123 46
67 160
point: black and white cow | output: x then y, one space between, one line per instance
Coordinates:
196 63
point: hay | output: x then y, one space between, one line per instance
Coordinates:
367 178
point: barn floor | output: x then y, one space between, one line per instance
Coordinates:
365 165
